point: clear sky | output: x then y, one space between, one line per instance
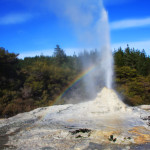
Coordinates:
34 27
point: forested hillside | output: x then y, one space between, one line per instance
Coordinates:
35 82
132 69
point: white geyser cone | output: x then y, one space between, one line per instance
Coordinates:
107 101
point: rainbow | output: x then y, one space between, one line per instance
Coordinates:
73 82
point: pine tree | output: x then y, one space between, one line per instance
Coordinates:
60 55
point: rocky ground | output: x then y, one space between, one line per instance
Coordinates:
104 123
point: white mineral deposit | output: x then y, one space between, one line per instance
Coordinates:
103 122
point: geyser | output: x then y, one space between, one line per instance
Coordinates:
89 21
106 53
105 58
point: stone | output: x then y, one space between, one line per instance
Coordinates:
106 122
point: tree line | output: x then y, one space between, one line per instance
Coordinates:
132 68
37 81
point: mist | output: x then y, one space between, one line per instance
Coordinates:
89 21
81 15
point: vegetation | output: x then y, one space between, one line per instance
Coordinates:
35 82
132 69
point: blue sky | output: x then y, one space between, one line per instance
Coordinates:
34 27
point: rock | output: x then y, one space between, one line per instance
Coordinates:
106 121
145 107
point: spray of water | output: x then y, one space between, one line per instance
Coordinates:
89 20
106 53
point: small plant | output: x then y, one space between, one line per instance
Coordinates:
79 136
81 133
111 138
129 138
114 140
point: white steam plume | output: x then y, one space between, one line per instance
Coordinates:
106 54
90 22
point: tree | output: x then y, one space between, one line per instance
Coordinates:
119 57
8 63
8 69
60 55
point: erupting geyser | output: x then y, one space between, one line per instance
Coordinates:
105 58
106 53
